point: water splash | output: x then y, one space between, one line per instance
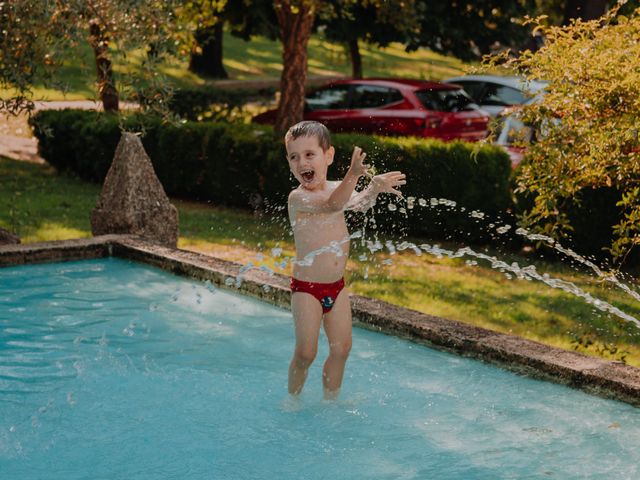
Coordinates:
530 272
408 205
611 278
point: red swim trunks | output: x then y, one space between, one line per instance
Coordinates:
325 293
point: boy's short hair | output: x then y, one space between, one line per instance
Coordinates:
309 128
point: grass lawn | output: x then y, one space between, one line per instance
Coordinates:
40 205
259 59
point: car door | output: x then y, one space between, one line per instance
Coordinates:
329 105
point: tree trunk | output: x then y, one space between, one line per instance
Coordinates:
356 58
584 9
106 84
295 30
208 62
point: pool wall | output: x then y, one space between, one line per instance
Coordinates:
601 377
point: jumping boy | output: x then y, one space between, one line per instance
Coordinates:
316 213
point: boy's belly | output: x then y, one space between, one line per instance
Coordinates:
325 267
322 248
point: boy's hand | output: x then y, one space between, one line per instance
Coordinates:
358 167
386 182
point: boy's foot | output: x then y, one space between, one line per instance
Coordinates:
292 403
331 394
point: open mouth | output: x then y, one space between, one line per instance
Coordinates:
307 175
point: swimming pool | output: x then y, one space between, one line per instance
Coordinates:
114 369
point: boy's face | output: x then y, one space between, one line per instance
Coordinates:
308 162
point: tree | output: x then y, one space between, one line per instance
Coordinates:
35 35
377 22
295 19
587 123
244 18
30 33
469 30
206 18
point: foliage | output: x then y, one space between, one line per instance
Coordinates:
244 165
248 18
373 21
469 30
587 124
30 33
34 35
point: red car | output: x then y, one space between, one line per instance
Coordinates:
394 107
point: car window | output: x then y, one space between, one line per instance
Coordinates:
372 96
446 100
474 89
499 95
330 98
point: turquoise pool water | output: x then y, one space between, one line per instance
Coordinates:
117 370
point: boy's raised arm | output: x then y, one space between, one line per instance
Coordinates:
341 195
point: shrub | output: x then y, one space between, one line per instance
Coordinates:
244 166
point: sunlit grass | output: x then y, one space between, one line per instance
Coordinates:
40 205
258 59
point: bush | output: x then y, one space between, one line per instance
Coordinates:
244 166
592 214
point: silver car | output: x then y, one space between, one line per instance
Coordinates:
494 93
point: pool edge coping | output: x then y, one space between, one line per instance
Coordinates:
609 379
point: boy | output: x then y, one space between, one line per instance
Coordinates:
316 213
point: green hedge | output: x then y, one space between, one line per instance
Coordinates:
241 165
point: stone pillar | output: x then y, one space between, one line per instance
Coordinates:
8 238
133 200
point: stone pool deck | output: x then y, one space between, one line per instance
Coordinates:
600 377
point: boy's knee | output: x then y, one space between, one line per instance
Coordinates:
305 355
340 349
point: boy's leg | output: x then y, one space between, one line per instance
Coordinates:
337 326
307 317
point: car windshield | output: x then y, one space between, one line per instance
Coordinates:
446 100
